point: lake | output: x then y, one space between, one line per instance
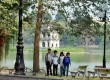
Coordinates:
90 58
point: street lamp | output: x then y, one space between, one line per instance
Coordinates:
19 64
104 56
104 19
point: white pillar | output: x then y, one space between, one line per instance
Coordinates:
40 43
46 44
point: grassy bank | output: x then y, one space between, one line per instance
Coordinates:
77 54
62 49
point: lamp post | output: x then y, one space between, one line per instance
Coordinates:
104 56
104 19
19 64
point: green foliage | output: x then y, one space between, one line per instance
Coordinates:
70 49
69 40
47 17
60 16
81 20
58 26
78 15
9 19
72 20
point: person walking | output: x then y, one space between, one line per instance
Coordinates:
48 61
66 63
61 57
55 63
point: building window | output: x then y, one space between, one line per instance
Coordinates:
56 45
43 44
43 34
48 35
52 45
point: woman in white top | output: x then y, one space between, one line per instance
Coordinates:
55 63
61 57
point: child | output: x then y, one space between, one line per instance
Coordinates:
66 62
61 57
55 63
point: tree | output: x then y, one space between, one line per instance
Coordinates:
53 5
79 17
2 41
37 36
8 21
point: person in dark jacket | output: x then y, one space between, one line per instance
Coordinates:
48 62
66 63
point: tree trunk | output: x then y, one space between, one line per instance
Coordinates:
2 42
37 36
1 53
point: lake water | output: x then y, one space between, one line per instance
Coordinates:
91 58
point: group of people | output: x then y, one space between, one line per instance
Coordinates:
53 60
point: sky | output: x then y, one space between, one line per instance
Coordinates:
65 0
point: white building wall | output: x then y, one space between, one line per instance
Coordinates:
41 35
40 43
49 41
58 43
46 44
55 42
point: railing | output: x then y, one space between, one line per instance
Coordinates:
81 70
28 71
102 72
93 73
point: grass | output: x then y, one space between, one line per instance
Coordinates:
71 49
62 49
65 49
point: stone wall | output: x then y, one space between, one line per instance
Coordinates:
15 77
